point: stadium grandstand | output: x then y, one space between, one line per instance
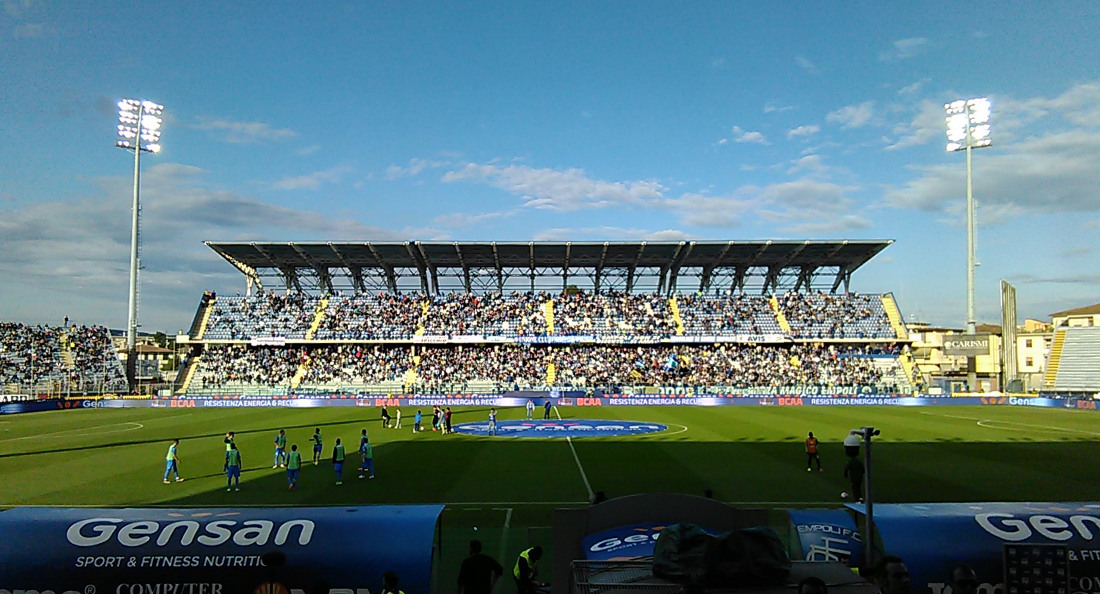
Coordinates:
58 360
487 318
1073 366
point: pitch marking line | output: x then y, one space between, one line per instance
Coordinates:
584 476
84 431
1010 425
504 530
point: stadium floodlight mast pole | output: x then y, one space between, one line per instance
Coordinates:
137 121
968 128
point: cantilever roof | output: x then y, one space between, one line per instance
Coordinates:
363 263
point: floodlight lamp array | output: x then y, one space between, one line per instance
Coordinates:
139 120
968 124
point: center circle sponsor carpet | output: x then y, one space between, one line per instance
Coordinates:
564 428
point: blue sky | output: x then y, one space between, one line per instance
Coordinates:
512 121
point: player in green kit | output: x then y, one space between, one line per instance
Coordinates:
280 449
171 462
293 465
233 468
317 446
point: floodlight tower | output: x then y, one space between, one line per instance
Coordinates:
968 128
137 121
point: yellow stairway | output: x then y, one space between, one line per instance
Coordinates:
548 312
300 374
206 318
317 318
1055 359
675 308
189 373
894 315
779 317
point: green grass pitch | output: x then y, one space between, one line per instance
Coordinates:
507 487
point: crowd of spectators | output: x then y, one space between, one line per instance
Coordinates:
727 315
824 315
489 314
613 313
385 316
363 316
453 368
33 355
261 315
243 365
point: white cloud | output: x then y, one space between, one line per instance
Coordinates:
551 189
1058 172
29 31
903 49
808 163
244 132
416 167
458 219
749 136
773 108
610 233
913 88
852 116
807 130
72 256
307 150
927 125
805 63
311 181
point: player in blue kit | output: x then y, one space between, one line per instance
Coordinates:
317 446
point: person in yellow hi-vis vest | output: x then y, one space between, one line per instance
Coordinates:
527 567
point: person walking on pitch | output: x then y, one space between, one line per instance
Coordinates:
811 453
293 465
172 462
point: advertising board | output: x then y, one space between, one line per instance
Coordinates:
216 550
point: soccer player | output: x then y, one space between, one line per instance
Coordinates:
228 440
317 446
385 417
398 423
492 421
233 468
447 421
546 410
338 461
293 465
280 449
366 453
530 409
171 462
416 421
811 453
